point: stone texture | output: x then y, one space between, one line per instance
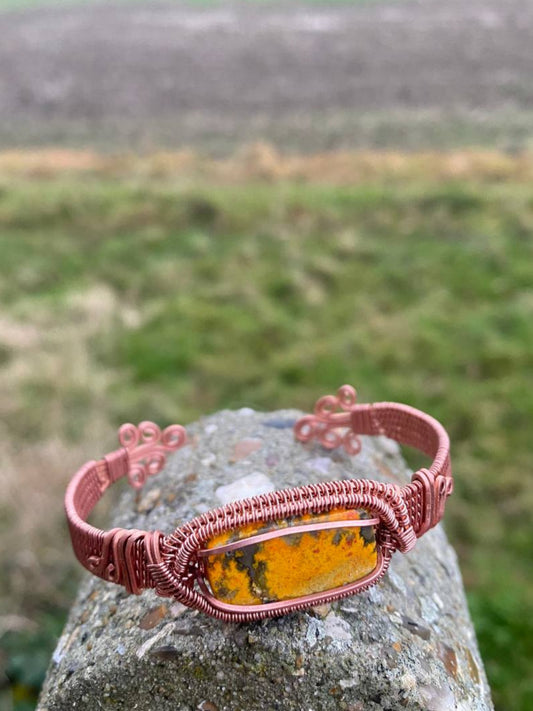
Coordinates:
407 643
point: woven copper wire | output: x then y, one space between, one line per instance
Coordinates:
148 559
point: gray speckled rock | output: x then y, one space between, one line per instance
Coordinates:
407 643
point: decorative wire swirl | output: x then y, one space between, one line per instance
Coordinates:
147 445
326 427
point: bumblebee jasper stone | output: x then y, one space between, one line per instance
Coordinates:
293 564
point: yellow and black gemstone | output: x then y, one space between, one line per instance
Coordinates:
291 565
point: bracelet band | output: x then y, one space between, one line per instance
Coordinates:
178 565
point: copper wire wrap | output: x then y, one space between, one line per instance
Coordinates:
141 559
120 555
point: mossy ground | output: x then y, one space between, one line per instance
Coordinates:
142 294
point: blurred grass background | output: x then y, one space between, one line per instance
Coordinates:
171 286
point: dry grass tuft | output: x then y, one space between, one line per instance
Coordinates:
262 162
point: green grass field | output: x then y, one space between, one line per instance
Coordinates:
134 297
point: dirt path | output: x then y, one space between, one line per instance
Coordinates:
406 74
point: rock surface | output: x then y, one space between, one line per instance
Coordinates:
407 643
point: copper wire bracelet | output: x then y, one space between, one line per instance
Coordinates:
367 520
